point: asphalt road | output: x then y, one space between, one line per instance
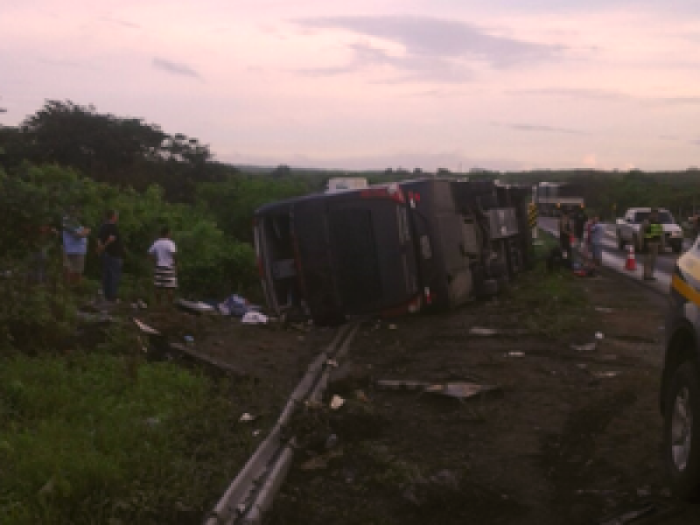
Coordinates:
615 258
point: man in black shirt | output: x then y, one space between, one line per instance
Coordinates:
111 250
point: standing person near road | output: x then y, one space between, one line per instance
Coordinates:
111 251
596 233
164 274
580 220
75 242
565 232
653 234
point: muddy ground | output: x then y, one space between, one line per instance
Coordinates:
569 437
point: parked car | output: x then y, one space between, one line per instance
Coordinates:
627 229
680 381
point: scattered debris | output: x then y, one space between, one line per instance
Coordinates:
253 317
461 390
392 327
336 402
392 384
645 511
589 347
605 374
197 307
256 432
145 328
332 363
599 336
236 305
485 332
515 354
488 332
189 339
246 417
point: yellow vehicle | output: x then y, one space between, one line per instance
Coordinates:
680 383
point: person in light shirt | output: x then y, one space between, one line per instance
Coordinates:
164 274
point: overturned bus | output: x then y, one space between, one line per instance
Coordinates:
421 245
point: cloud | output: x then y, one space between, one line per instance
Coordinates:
431 48
675 101
402 68
593 94
540 128
122 23
175 68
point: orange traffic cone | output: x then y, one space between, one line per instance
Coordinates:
631 263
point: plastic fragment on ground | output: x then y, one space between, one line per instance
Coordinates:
461 390
336 402
589 347
482 331
254 318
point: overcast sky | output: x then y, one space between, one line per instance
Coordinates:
503 84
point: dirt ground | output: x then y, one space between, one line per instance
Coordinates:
572 437
569 437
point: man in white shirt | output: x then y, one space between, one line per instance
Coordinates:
164 275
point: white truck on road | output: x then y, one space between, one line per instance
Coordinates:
628 229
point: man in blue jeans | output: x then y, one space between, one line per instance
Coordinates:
111 250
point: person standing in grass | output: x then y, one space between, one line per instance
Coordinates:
74 246
111 251
163 253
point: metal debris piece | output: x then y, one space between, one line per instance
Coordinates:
606 374
461 390
399 384
336 402
195 306
588 347
144 327
485 332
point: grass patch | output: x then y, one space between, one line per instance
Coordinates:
84 441
551 302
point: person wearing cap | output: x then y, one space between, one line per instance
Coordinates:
653 235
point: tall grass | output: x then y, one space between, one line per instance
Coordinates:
82 442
